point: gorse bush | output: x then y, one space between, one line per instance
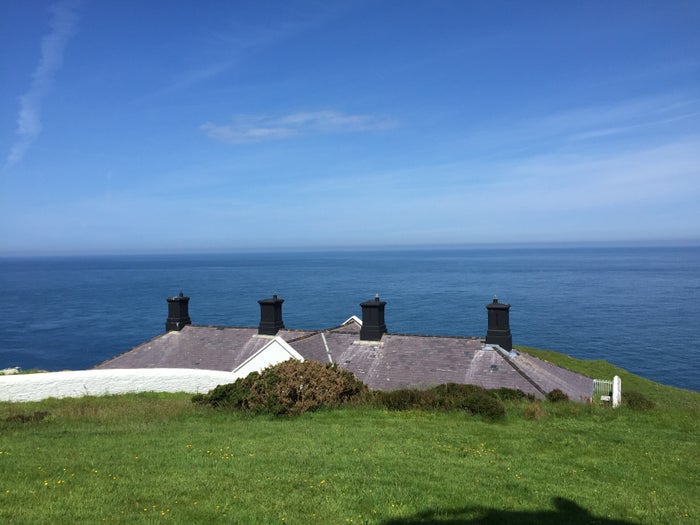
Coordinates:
291 387
471 398
556 396
294 387
402 399
510 394
451 396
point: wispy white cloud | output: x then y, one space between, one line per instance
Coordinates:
623 117
259 128
190 77
62 27
644 177
603 125
237 40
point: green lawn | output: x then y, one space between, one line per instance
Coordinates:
159 458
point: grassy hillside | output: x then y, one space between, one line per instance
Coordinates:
666 397
159 458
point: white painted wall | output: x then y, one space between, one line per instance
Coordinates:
35 387
78 383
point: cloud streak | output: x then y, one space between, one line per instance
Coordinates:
260 128
242 39
62 27
590 126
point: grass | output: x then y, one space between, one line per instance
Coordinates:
17 370
676 400
154 458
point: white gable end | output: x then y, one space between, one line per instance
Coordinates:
352 319
274 352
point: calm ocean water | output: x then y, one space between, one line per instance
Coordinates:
635 307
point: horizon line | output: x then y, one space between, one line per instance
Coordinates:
513 245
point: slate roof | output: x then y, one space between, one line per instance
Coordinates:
397 361
205 347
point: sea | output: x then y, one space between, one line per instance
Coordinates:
636 307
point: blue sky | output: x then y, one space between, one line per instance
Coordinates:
167 126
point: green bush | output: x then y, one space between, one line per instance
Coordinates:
485 404
291 387
455 396
294 387
402 399
510 394
556 396
231 395
471 398
637 401
450 396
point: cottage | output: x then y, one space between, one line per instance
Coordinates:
364 346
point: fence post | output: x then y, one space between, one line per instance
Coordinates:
617 391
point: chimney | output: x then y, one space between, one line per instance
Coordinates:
270 316
178 315
373 326
499 325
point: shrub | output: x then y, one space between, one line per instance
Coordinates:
556 396
484 403
450 396
510 394
231 395
637 401
291 387
453 396
403 399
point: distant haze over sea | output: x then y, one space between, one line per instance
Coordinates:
315 248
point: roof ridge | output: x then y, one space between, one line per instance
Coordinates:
305 336
220 326
520 371
438 336
554 378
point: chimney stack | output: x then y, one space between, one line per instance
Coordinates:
373 326
270 316
499 325
178 314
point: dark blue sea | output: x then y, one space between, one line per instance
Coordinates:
636 307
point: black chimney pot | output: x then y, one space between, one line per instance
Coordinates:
178 314
270 316
373 326
499 325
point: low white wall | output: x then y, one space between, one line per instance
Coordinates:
35 387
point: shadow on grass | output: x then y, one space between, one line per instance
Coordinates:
567 512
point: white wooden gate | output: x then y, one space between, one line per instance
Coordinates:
609 391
